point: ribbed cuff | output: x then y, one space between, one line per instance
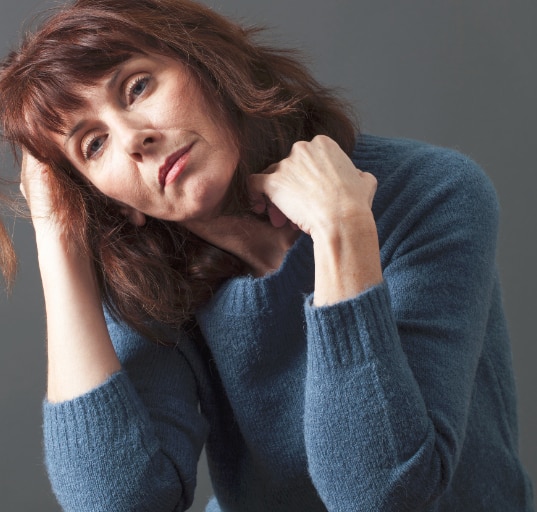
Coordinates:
353 331
113 410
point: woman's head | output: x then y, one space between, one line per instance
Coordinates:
146 137
263 98
259 91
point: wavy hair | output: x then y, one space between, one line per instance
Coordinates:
157 272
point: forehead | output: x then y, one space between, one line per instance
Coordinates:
110 79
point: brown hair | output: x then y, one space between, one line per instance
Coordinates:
159 271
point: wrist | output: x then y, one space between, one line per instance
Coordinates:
347 260
331 234
53 236
58 256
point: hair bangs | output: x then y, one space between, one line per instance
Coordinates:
75 52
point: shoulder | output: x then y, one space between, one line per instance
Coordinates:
412 173
416 161
428 194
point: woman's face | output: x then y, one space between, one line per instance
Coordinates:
148 138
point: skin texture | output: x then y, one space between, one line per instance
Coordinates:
132 122
80 353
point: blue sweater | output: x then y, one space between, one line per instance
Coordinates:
399 399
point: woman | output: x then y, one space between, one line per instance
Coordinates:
320 309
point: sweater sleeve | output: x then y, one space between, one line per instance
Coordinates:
131 444
390 372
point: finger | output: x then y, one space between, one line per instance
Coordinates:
272 168
256 185
259 205
30 163
256 189
277 218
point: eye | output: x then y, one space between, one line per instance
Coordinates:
136 88
91 145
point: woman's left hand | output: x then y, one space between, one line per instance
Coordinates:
317 187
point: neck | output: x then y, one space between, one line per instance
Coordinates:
258 244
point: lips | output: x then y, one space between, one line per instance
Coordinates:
173 166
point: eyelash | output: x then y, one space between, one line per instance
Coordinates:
129 93
86 145
131 86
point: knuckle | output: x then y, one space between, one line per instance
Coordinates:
300 145
370 177
321 138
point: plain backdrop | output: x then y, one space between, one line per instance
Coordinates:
455 73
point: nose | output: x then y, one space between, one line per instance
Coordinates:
139 143
135 134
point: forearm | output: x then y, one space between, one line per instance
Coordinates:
347 259
391 372
80 353
128 444
364 408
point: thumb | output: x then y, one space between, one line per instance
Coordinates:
256 191
261 202
277 218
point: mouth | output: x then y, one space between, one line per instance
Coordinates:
173 166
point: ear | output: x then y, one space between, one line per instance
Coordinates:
135 216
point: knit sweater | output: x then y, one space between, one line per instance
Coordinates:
399 399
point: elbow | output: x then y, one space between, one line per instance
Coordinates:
419 481
90 488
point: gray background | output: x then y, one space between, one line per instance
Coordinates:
455 73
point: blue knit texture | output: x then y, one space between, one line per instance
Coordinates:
399 399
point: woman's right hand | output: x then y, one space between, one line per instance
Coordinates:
36 189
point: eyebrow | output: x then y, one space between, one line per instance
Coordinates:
110 85
78 126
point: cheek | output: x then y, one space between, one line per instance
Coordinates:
125 193
113 178
108 187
